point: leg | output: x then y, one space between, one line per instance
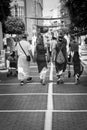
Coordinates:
76 79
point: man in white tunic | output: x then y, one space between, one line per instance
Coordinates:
23 64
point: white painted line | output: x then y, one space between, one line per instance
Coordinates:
70 94
23 94
71 111
38 76
34 83
7 84
65 83
33 111
33 66
85 75
44 94
48 116
15 111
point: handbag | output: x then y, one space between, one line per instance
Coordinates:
28 58
60 57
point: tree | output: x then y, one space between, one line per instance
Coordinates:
14 25
78 14
4 13
4 9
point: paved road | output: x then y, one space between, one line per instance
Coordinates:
49 107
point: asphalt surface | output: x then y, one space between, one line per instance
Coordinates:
49 107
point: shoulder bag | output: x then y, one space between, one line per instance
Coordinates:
60 58
28 58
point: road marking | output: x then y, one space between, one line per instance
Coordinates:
70 94
23 94
28 111
35 83
15 111
38 76
48 116
68 83
44 94
7 84
85 75
72 111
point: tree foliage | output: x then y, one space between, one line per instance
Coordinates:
14 25
78 14
4 9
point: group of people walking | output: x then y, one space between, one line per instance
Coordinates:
59 56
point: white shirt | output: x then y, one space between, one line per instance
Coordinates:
26 47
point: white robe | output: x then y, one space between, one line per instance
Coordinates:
23 64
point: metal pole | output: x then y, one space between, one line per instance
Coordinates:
16 7
25 13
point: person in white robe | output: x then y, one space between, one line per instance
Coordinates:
23 64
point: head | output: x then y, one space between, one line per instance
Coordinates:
72 38
24 36
39 39
60 36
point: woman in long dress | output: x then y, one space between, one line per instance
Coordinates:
41 58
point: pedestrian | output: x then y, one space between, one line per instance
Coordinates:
78 68
53 42
23 65
73 46
60 57
69 60
33 43
41 58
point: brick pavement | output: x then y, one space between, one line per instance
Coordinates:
25 107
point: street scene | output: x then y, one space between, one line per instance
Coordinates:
43 65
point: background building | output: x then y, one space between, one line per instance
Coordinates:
17 8
65 22
26 9
33 8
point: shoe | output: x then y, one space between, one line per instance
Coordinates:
43 82
76 79
69 74
58 80
61 81
22 83
29 79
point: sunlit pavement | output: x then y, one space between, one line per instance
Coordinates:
37 107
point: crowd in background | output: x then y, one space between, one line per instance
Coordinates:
43 49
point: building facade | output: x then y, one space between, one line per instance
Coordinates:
33 8
17 8
28 8
65 22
